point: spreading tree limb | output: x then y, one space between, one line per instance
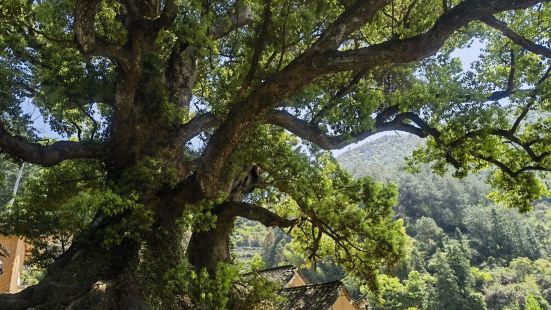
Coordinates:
321 59
515 37
259 214
47 155
316 135
423 45
195 126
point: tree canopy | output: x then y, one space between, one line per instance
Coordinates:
180 116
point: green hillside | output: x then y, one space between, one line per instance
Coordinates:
385 153
465 252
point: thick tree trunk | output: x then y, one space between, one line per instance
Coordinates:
127 276
87 276
206 249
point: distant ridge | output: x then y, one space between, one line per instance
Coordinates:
387 152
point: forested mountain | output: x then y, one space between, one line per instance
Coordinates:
465 252
423 193
380 158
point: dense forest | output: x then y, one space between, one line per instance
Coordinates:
464 251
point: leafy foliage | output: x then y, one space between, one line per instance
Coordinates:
184 115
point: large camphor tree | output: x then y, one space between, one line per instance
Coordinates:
183 115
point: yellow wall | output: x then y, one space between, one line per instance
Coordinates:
343 303
297 280
13 265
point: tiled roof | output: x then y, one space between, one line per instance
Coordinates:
313 297
280 275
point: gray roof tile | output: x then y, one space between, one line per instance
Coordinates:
313 297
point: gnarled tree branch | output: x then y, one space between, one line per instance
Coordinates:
348 22
515 37
510 82
316 135
47 155
197 125
259 46
423 45
311 65
181 74
281 85
168 14
259 214
84 24
341 93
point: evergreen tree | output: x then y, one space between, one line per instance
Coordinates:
531 303
417 287
453 285
502 235
447 292
532 244
458 258
428 236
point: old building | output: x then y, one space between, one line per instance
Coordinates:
301 295
323 296
286 276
